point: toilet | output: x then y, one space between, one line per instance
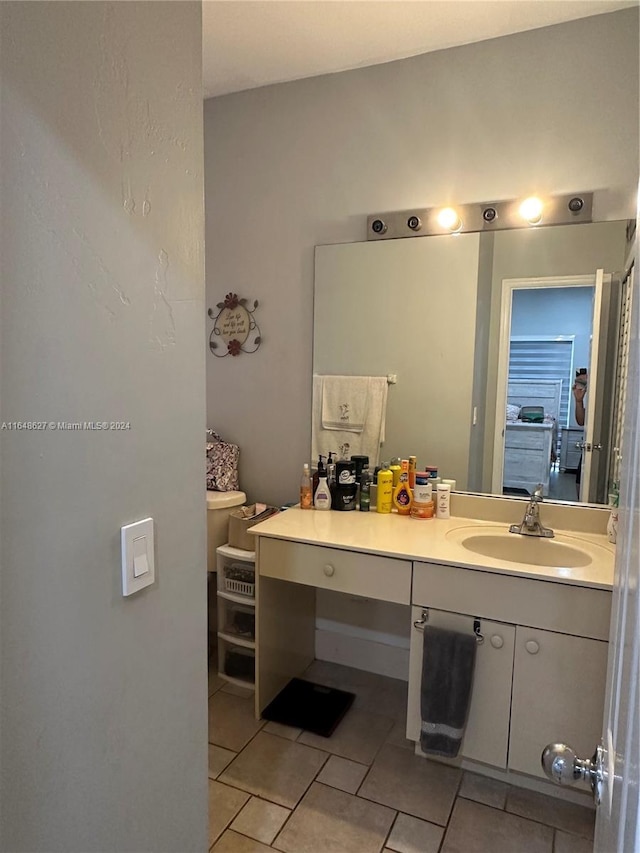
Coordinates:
219 506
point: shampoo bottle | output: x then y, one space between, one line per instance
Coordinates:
384 499
402 492
394 467
365 490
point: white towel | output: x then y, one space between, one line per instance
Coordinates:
344 443
345 402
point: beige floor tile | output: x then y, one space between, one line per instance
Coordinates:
343 774
398 734
332 821
410 784
237 690
281 730
412 835
260 820
483 789
224 805
579 820
218 760
232 842
275 769
231 721
566 843
359 736
475 828
215 682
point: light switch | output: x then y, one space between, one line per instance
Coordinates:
138 560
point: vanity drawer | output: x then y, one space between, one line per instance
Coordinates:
370 576
577 610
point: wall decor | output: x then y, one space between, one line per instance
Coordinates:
234 327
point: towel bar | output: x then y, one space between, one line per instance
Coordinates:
424 618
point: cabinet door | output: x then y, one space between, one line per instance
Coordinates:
558 695
487 731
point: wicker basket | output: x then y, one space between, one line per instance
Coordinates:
239 587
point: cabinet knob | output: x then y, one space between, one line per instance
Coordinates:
496 641
532 647
329 570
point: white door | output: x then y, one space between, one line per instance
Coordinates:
590 399
617 772
617 829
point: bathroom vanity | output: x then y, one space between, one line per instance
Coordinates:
542 651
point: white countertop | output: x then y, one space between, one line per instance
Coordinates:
428 541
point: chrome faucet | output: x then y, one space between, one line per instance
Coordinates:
531 524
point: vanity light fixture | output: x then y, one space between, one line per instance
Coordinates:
531 210
449 219
572 208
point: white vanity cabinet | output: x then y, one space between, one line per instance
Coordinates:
558 695
486 737
540 672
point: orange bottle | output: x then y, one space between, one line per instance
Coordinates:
402 492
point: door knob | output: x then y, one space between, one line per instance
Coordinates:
562 765
329 570
532 647
496 641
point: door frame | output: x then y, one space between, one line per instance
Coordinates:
595 280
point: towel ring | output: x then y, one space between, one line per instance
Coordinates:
424 618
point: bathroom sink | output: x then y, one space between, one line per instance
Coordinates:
497 543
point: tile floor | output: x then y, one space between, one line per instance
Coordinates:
363 790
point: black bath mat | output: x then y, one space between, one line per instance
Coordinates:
309 706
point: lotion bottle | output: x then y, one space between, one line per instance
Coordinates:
322 496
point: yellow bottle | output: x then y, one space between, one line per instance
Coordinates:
385 490
395 469
402 492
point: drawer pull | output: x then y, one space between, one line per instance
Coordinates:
329 570
496 641
532 647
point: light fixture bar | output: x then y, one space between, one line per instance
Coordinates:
573 208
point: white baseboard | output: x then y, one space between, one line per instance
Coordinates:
363 653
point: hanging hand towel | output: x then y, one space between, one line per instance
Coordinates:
345 402
448 660
346 443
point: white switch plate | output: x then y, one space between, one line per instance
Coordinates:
138 556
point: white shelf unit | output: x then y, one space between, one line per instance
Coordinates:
236 578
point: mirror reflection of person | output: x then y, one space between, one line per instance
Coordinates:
579 390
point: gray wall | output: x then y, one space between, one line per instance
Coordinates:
303 163
104 699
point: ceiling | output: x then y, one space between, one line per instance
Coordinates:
251 43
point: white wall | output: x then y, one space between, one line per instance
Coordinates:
104 702
303 163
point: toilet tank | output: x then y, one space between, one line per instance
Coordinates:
219 506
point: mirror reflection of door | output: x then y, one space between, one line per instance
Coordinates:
547 340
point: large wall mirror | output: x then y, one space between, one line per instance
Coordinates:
484 334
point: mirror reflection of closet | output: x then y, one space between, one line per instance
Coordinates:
428 309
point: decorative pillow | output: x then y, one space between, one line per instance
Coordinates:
222 464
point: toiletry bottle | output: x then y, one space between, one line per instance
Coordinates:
343 496
306 498
365 490
422 505
394 467
319 472
402 492
331 470
412 472
322 495
443 498
384 500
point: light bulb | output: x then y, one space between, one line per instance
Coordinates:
531 210
449 219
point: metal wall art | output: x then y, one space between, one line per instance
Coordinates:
234 327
